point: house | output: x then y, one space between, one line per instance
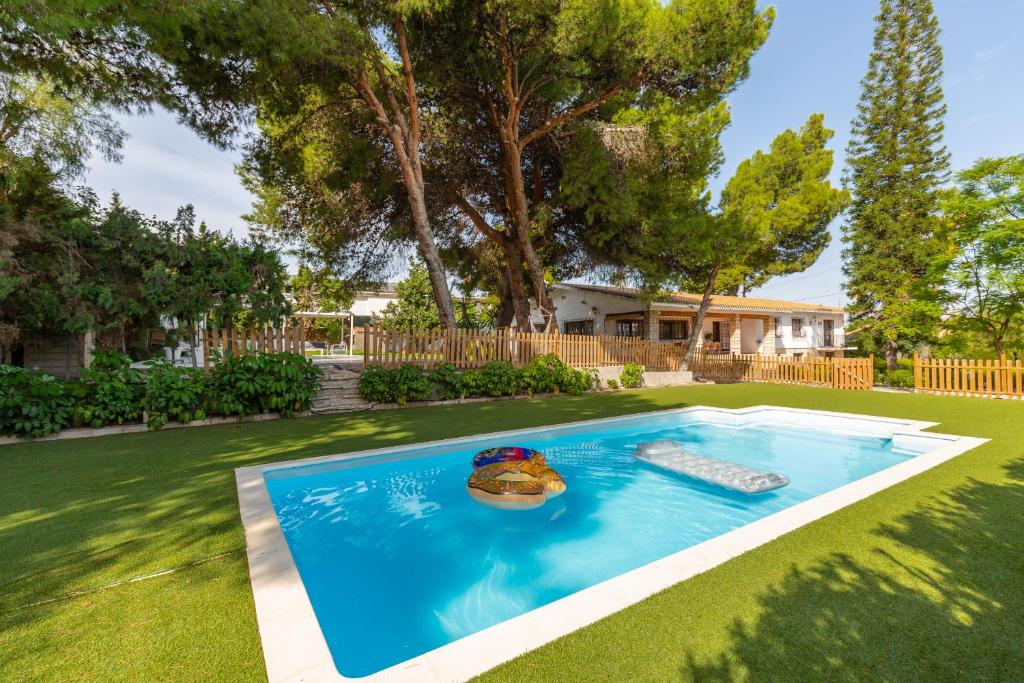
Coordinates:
733 324
367 305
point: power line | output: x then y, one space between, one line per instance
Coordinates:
805 277
823 296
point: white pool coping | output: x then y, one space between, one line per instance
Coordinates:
294 646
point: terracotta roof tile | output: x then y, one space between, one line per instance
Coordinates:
719 302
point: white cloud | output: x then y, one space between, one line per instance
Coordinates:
166 166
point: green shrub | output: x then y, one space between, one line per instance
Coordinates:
901 378
612 383
496 378
33 403
471 383
375 385
449 382
262 382
575 382
110 392
173 393
547 373
411 384
632 376
542 375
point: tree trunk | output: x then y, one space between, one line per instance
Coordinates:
891 357
517 288
504 313
404 134
432 260
519 208
698 322
513 275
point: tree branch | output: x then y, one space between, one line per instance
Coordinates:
478 221
569 116
410 85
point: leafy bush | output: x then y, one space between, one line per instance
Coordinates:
496 378
448 380
612 383
542 375
901 378
411 384
33 403
547 373
261 382
376 385
110 392
632 376
173 393
575 382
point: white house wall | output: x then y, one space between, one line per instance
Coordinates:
371 304
577 304
813 332
752 335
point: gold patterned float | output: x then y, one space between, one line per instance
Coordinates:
513 478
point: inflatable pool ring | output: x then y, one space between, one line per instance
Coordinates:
515 484
490 456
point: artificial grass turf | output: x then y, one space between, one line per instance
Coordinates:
921 581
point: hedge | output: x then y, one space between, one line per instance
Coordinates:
111 392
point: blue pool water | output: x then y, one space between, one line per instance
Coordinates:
398 560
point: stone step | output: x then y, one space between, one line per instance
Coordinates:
338 405
338 384
347 392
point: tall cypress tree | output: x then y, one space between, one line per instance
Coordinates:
897 163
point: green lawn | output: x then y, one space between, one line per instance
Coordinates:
924 581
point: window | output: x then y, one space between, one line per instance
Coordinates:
720 335
798 327
778 326
585 327
829 334
628 328
673 329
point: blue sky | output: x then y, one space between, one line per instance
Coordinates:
813 62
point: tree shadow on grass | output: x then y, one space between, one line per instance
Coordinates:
941 597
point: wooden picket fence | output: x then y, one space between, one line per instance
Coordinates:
219 343
474 348
838 373
968 377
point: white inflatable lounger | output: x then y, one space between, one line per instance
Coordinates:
671 456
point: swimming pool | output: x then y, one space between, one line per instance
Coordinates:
395 560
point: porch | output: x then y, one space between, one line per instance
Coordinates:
720 333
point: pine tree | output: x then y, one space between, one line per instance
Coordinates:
897 163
